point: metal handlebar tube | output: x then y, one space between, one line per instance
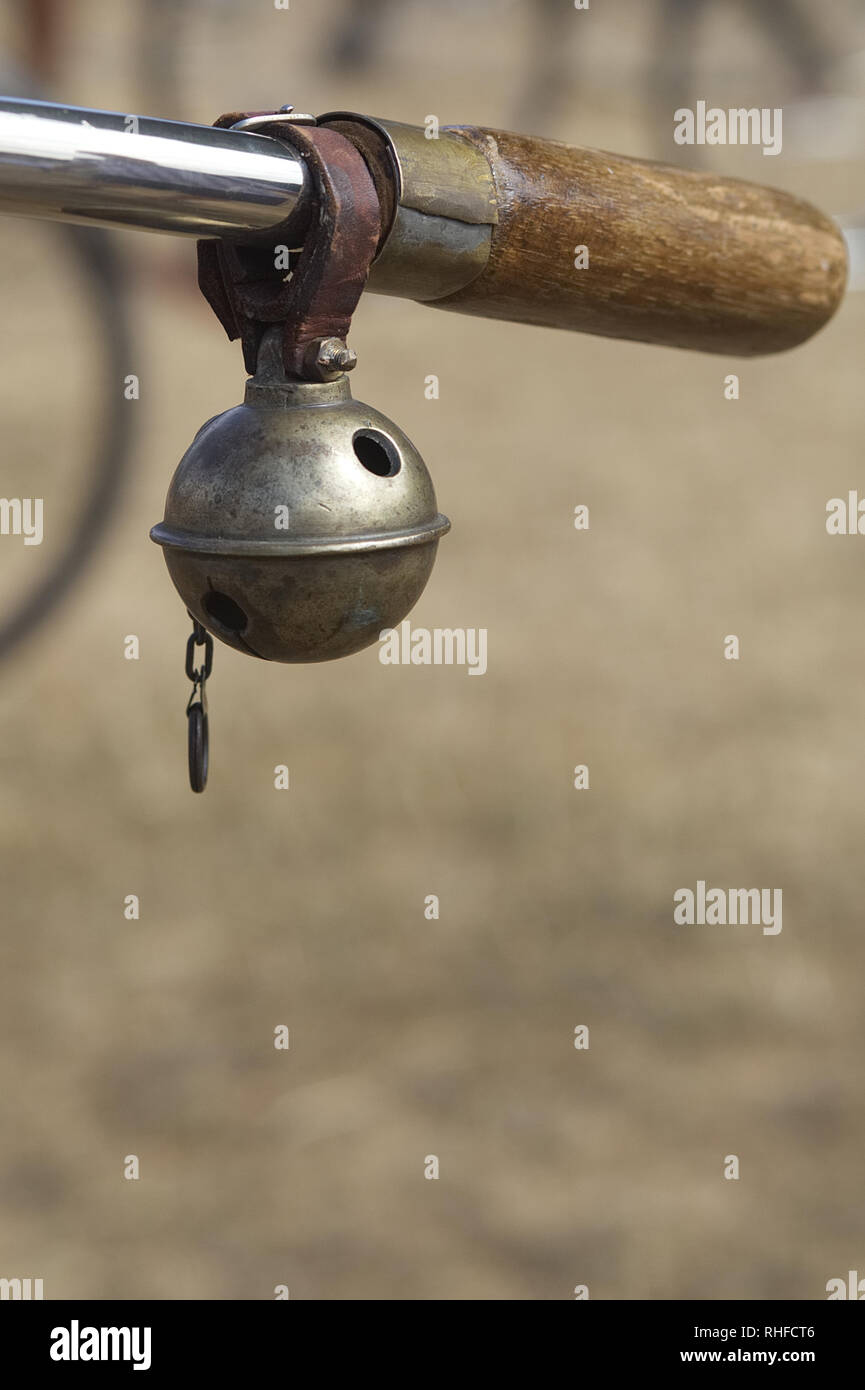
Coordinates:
70 164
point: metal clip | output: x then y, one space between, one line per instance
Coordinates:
262 119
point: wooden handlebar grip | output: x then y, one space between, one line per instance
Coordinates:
680 258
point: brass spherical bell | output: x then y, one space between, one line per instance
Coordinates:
300 524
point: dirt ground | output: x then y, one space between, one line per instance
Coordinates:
453 1037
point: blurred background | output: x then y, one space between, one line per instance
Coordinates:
305 908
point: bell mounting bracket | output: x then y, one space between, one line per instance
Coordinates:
310 301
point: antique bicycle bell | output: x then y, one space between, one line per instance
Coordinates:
301 523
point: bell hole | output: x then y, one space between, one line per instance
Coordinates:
225 611
377 453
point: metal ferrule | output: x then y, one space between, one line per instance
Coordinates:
443 206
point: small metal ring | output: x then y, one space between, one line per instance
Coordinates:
192 673
198 747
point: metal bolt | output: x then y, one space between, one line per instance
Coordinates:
334 356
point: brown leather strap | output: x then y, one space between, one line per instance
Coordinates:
248 293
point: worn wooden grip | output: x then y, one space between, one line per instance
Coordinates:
675 257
